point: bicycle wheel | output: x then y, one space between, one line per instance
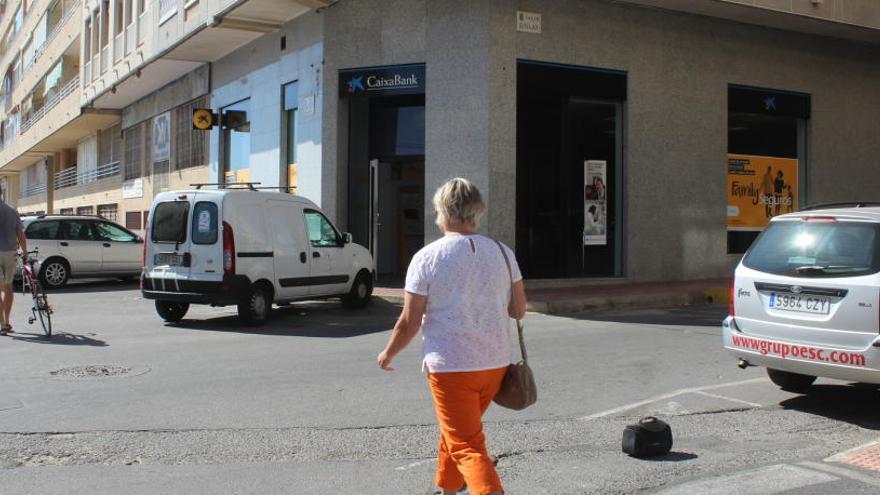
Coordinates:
41 307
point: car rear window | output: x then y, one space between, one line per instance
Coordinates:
169 222
817 249
43 230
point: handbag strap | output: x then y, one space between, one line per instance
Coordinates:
519 325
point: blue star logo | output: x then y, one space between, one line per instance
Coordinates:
770 103
356 83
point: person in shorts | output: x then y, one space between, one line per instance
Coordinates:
11 238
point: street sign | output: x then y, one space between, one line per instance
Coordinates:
203 119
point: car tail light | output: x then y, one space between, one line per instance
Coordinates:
731 304
228 250
144 249
819 219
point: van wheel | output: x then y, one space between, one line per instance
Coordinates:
54 273
791 382
256 308
361 291
172 312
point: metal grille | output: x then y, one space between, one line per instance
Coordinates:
109 212
85 210
190 145
133 152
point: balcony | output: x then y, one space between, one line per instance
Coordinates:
34 190
68 10
69 177
69 88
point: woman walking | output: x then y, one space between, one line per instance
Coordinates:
458 291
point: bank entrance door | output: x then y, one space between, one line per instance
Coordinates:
386 165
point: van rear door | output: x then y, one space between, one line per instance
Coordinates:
205 243
169 238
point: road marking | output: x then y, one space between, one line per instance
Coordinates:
670 395
415 464
842 456
754 481
843 472
730 399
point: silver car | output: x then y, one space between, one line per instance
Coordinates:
805 299
82 247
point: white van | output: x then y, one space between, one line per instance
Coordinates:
247 248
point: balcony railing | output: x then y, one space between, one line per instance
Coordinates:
68 88
69 176
68 12
33 190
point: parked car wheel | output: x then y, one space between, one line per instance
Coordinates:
54 273
361 291
791 382
172 312
256 308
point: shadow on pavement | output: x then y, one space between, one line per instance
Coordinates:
854 404
91 286
58 339
696 316
322 320
673 457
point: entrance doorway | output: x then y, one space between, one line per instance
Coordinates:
569 171
387 179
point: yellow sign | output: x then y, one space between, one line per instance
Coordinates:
203 119
759 188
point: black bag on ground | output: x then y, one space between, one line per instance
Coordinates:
651 437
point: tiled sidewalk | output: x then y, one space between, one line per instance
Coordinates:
608 294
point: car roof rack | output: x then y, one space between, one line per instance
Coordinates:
231 185
842 204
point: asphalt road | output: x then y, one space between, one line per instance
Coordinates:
118 402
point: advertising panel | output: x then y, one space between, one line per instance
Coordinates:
595 203
162 137
758 189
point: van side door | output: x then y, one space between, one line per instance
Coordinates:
328 276
291 248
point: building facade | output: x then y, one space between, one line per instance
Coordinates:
638 140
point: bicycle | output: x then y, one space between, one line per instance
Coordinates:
30 283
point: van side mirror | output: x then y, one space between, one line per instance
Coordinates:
346 238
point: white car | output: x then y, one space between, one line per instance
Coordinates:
247 248
805 300
82 247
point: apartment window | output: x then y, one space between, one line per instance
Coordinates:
133 152
105 23
291 132
129 17
133 220
109 145
190 145
167 9
85 210
19 19
118 16
108 212
87 40
141 6
236 136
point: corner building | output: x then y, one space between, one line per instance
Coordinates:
611 139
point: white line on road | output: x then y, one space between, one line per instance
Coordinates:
415 464
842 472
670 395
729 399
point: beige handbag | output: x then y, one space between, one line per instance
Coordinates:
518 389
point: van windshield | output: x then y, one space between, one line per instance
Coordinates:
817 249
169 222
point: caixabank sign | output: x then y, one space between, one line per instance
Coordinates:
382 81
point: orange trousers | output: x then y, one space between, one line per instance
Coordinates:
460 399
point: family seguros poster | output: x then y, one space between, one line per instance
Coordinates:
758 189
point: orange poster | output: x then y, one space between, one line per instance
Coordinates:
758 189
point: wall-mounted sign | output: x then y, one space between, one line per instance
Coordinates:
759 188
760 101
133 188
595 203
162 137
204 119
378 81
528 22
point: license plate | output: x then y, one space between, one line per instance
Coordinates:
170 259
799 303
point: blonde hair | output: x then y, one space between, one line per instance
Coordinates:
458 201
